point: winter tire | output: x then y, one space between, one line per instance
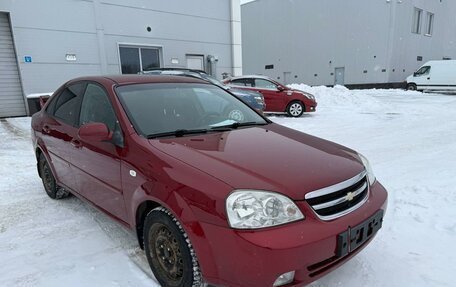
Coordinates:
50 186
169 251
295 109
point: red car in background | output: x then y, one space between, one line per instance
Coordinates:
177 160
278 98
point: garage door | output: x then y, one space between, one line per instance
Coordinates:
11 97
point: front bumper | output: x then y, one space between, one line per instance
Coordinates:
257 258
310 109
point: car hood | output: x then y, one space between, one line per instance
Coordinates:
300 91
271 157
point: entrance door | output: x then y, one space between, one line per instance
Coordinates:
339 76
11 96
195 62
287 78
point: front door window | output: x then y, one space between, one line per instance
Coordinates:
96 108
264 84
423 71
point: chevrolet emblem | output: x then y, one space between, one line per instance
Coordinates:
350 196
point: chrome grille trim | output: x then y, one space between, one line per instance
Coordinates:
339 200
336 187
345 212
328 203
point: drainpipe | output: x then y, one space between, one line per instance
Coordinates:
391 39
100 37
236 37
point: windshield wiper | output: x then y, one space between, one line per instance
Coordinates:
236 125
177 133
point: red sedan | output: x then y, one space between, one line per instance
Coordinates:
178 160
278 98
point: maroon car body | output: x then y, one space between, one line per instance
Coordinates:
192 176
278 97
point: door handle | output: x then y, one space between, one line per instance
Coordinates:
429 78
75 143
46 129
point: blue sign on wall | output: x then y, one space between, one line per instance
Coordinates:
28 59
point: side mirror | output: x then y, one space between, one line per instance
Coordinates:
280 88
95 132
415 74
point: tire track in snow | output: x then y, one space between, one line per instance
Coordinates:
17 132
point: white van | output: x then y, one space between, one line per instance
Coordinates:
434 75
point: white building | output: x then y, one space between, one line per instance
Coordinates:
47 42
352 42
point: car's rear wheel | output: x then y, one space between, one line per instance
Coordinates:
295 109
50 186
169 251
411 87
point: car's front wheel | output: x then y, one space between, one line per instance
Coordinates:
411 87
295 109
169 251
50 186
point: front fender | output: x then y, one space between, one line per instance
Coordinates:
182 211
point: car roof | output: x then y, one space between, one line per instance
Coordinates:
177 69
142 79
251 77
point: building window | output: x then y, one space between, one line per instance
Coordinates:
430 23
134 60
416 28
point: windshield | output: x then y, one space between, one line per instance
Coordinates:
163 108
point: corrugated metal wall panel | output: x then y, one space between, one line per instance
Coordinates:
11 95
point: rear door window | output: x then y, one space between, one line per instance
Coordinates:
265 84
242 82
66 106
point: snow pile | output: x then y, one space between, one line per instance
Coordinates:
343 98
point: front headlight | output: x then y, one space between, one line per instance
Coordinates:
309 96
370 172
252 209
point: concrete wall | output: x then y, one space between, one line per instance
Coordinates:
370 39
47 30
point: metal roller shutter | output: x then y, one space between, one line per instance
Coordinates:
11 96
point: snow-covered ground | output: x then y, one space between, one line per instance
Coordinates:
409 137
